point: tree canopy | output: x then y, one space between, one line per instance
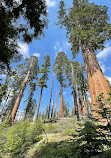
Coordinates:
19 20
86 24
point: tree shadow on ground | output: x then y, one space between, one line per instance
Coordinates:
60 149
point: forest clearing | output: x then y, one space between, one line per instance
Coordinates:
55 79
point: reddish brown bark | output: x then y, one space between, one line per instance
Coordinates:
17 103
96 80
82 106
61 103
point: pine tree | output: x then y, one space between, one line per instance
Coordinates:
43 115
66 109
31 103
43 80
31 68
59 68
46 112
10 93
79 86
51 96
88 29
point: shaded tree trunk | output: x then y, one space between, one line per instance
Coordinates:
39 103
96 80
52 109
61 103
17 103
51 96
74 88
83 106
56 104
80 104
75 100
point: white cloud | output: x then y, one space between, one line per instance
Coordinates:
63 46
50 3
36 54
105 53
23 49
109 79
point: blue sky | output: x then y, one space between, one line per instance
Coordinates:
55 41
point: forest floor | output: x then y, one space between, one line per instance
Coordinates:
57 140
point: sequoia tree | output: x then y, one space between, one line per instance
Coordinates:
59 68
88 28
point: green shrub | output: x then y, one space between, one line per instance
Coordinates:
68 132
20 136
3 130
50 128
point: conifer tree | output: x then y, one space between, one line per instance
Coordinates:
88 28
46 112
31 103
78 83
31 68
51 96
43 80
66 109
59 68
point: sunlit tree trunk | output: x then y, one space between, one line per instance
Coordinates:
96 80
39 103
17 103
61 103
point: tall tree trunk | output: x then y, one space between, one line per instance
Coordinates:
74 87
61 103
39 103
83 106
96 80
51 96
56 103
86 104
17 103
77 108
80 104
75 100
52 109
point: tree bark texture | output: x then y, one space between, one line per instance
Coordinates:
96 80
17 103
39 103
61 103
